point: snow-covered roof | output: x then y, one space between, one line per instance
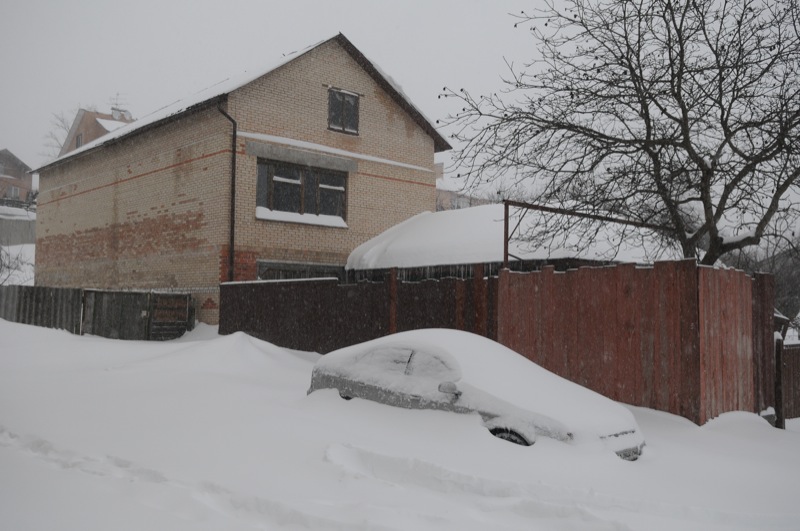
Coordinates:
7 212
226 86
110 125
475 235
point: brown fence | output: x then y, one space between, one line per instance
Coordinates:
791 381
321 315
674 337
113 314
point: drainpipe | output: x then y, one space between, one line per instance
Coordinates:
232 237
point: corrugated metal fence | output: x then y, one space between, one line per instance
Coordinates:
676 337
113 314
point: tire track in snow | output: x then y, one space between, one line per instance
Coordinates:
539 499
258 512
490 495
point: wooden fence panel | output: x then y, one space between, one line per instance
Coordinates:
42 306
644 286
687 327
170 315
726 347
673 337
763 341
118 315
791 381
313 315
434 303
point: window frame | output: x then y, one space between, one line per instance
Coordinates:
267 176
340 113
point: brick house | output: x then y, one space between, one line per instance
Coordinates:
325 152
15 179
91 125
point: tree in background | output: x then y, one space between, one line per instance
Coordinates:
783 262
679 114
60 123
9 265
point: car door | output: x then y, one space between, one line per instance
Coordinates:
425 372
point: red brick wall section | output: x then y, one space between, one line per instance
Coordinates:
245 266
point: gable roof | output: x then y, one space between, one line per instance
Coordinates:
107 121
7 156
219 91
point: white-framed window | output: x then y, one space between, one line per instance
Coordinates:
343 111
286 187
13 193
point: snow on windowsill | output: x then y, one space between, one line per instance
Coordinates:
306 219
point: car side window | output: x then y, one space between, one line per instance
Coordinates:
392 360
426 365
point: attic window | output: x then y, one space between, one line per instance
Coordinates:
343 111
78 140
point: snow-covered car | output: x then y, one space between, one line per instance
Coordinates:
461 372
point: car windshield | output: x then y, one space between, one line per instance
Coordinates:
409 362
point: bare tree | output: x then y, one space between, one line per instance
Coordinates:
683 114
783 262
10 264
60 124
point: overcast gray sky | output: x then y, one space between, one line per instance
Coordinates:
57 55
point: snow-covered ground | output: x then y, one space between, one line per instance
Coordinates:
213 433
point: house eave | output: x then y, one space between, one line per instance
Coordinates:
439 142
149 127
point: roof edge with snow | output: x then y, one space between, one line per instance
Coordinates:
219 92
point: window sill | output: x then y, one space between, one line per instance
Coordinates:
343 131
305 219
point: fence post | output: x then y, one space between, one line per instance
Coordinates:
479 295
780 413
393 300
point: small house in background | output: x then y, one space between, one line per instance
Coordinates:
285 169
91 125
16 185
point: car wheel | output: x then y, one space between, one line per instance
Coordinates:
509 435
341 393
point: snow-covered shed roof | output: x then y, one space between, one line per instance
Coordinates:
475 235
219 90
